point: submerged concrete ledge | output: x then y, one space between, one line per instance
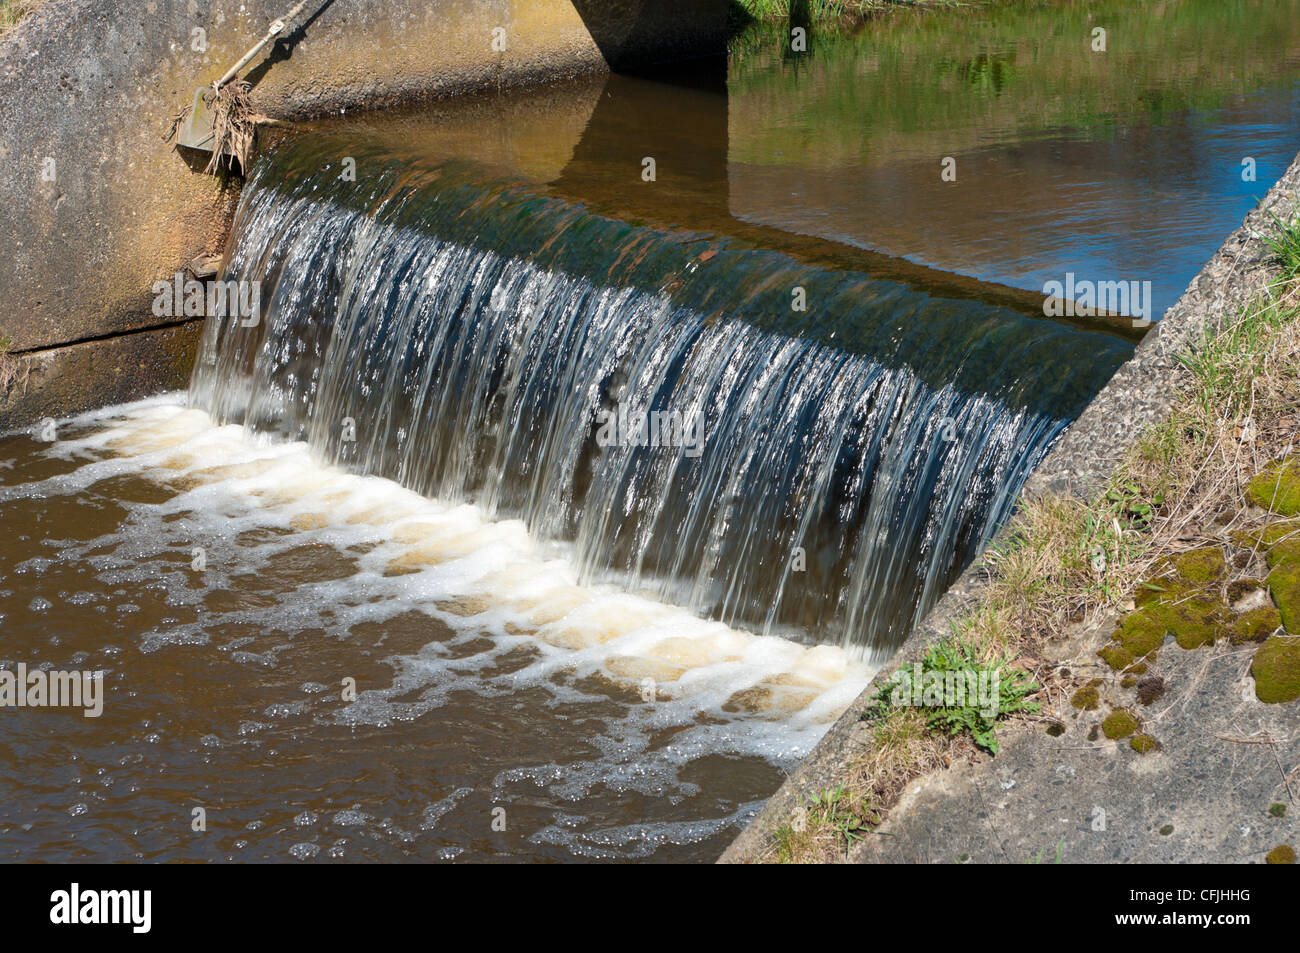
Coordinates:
1139 396
97 206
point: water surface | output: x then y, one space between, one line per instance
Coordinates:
1118 165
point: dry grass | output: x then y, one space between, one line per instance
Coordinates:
233 125
901 748
12 11
13 371
1069 561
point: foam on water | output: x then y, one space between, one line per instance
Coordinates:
723 690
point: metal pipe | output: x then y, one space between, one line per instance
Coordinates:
277 26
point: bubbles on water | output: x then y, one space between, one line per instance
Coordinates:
304 851
452 606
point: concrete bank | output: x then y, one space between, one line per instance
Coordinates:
947 815
97 206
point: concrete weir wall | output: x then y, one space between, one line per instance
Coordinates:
96 206
1139 396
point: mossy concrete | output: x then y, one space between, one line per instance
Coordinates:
1278 488
1276 670
1205 763
1119 724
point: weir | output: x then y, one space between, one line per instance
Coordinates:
569 465
465 334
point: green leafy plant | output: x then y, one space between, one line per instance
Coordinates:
1130 505
835 809
954 661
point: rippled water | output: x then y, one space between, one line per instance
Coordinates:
486 677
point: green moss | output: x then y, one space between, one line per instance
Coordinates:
1201 567
1128 681
1142 631
1281 854
1192 620
1116 656
1056 729
1276 532
1284 584
1151 591
1239 588
1119 724
1195 622
1277 809
1141 668
1143 744
1085 698
1284 552
1276 670
1277 489
1283 555
1166 830
1279 540
1254 625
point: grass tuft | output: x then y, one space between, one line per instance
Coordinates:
12 11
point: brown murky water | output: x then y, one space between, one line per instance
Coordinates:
489 687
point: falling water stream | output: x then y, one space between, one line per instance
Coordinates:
469 339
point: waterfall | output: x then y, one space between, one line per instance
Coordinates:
471 337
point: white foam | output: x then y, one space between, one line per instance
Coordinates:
765 695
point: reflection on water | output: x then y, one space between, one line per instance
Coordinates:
1118 165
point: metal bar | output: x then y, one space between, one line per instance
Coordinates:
277 27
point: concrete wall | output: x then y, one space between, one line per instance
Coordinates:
88 88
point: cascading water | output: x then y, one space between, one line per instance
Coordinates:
470 338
